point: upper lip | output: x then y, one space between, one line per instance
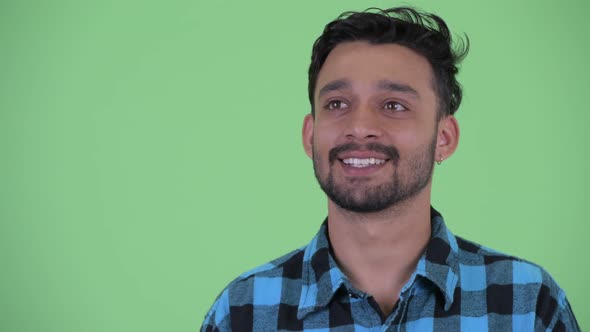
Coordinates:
359 154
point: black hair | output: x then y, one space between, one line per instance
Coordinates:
424 33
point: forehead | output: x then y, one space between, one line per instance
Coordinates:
365 64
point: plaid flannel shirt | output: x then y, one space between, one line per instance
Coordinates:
457 286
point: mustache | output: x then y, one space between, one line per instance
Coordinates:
389 150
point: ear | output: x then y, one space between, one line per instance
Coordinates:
448 137
307 135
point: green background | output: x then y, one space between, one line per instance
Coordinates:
151 152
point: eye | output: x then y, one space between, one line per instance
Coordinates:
336 105
394 106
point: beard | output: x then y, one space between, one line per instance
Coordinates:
354 194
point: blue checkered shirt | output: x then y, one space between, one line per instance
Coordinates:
457 286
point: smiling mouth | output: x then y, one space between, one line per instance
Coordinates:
363 162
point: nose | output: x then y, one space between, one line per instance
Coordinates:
363 124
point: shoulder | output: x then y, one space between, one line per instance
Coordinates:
501 268
512 285
262 285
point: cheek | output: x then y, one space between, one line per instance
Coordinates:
405 138
320 151
414 134
411 144
324 138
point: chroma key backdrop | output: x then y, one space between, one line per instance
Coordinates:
150 151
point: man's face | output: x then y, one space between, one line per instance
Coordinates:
374 137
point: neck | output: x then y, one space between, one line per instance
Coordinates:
379 251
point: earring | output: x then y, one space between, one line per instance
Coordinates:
439 160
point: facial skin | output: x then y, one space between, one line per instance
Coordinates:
376 105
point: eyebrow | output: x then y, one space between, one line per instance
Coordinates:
334 86
397 87
382 84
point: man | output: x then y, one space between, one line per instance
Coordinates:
383 93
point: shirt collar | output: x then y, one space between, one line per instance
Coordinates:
322 277
440 261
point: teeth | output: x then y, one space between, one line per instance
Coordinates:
356 162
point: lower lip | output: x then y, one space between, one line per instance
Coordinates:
361 171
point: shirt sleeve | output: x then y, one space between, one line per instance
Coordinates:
566 321
217 319
209 323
